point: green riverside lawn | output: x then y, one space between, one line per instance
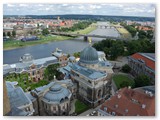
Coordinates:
80 107
12 44
120 79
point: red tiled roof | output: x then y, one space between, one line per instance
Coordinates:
149 63
125 106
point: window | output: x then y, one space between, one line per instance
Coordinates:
105 108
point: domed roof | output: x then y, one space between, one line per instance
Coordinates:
89 55
57 94
26 58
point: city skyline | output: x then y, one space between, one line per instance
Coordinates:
139 10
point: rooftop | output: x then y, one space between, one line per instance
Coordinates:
148 58
17 96
18 67
137 103
90 73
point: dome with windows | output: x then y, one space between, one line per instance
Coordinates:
89 56
57 94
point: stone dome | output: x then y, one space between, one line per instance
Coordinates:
89 56
57 94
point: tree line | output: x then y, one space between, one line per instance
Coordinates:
113 48
141 33
78 26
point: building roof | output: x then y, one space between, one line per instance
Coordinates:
16 95
89 56
22 66
129 102
57 94
90 73
148 58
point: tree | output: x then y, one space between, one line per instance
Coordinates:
142 80
126 68
8 34
31 32
13 33
45 31
51 71
76 54
124 84
4 34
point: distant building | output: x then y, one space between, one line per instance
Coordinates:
130 102
143 63
62 57
53 99
144 28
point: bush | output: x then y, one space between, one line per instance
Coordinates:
126 68
142 80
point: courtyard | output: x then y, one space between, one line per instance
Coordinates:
123 80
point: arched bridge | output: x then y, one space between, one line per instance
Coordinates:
107 26
87 35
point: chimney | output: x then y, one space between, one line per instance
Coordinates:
143 106
119 96
116 106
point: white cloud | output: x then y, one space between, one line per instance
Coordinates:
10 5
23 5
47 9
40 5
64 4
116 5
81 7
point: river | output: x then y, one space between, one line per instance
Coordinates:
67 46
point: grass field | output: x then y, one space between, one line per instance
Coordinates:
80 107
86 30
120 79
124 32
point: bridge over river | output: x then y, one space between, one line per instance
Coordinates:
87 35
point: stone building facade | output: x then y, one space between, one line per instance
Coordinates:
62 57
93 83
35 68
143 63
53 99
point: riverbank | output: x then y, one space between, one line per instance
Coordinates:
86 30
13 44
122 31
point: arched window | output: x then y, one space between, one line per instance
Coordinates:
99 93
62 100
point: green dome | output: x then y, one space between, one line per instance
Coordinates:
89 56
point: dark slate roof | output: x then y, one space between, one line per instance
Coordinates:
16 96
90 73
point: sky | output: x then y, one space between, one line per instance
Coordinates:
145 10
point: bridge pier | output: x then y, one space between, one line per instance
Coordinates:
85 38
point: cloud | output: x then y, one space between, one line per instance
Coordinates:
10 5
64 4
40 5
23 5
97 9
